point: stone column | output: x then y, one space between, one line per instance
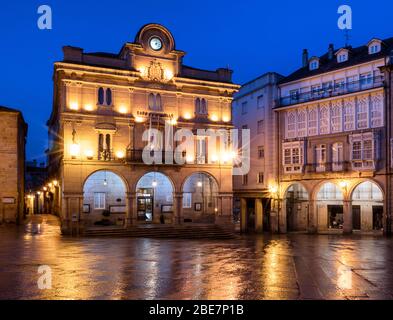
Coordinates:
258 215
348 225
224 216
178 208
243 214
312 226
130 209
282 216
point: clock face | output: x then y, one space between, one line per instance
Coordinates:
155 43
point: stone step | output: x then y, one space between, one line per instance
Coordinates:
174 232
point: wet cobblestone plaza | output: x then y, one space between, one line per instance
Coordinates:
254 267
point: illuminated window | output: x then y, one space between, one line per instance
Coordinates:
99 200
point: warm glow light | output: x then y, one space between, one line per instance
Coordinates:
74 150
214 158
226 119
273 189
139 119
39 193
168 74
199 184
216 210
143 71
214 117
343 184
154 184
190 159
225 157
89 154
123 109
45 188
74 106
173 122
50 185
187 116
120 154
55 182
88 107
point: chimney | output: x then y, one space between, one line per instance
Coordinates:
305 58
331 51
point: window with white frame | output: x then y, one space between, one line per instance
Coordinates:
293 159
376 112
362 112
99 200
302 123
316 90
260 127
324 119
336 116
366 79
187 200
294 95
314 64
349 115
342 57
291 124
313 121
337 156
321 157
364 151
339 85
374 47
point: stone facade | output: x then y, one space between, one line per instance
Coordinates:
104 103
12 151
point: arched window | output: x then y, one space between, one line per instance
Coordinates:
155 102
158 106
101 96
108 97
104 96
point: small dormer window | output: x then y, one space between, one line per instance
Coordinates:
374 47
314 64
342 57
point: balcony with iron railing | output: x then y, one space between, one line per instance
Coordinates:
335 90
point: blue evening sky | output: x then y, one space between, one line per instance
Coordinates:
249 36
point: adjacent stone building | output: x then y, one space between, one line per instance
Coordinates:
12 152
104 104
253 109
335 141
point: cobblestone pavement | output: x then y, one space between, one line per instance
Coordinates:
259 267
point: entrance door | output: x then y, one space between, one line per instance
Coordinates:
356 218
377 217
145 204
336 217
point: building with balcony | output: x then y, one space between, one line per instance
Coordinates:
253 109
334 138
106 109
12 166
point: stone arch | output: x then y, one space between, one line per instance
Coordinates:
108 170
200 197
367 199
330 206
296 204
104 198
155 193
373 182
200 172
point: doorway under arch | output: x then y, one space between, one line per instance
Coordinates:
154 196
104 199
200 198
330 207
297 208
367 207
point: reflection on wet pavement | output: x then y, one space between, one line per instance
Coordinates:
260 267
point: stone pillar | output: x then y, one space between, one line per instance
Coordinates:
224 216
347 209
131 212
312 226
282 216
258 215
243 214
178 208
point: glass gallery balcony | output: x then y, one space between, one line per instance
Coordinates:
337 89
